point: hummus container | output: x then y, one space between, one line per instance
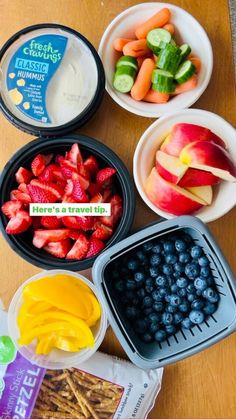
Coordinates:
51 80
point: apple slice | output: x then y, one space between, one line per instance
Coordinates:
170 167
203 192
196 177
183 134
210 157
169 197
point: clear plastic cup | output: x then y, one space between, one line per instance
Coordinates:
56 359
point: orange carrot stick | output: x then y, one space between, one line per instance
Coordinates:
144 79
188 85
156 21
170 28
156 97
197 62
119 43
142 58
136 48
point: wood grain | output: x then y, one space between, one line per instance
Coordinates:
202 387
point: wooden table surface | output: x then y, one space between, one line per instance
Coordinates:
204 386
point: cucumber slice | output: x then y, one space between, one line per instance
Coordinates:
163 81
185 71
164 44
169 59
156 37
126 60
124 79
185 50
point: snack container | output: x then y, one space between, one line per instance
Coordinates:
185 342
56 359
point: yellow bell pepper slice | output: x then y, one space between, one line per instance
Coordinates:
45 344
68 344
96 314
29 308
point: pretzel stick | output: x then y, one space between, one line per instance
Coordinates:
73 406
66 408
59 377
80 397
48 414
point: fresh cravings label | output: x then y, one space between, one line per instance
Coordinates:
29 72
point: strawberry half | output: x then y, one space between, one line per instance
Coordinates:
95 247
71 222
51 173
42 237
20 223
67 168
84 223
79 249
116 212
104 176
20 196
102 231
22 187
38 165
58 249
91 165
83 171
10 208
53 188
74 155
39 195
51 222
23 175
78 192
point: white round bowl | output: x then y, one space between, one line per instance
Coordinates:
188 30
224 194
56 359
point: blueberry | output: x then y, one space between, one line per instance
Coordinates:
203 261
184 257
170 329
192 270
197 304
160 335
153 327
141 326
141 256
167 269
132 265
210 280
196 252
154 317
147 301
191 297
157 296
131 312
139 277
147 310
149 282
191 289
149 288
168 247
161 281
182 282
175 300
171 309
174 288
130 284
157 248
209 308
141 293
200 283
196 316
147 246
158 306
164 292
186 323
205 271
199 293
182 292
155 260
147 338
153 271
184 306
179 267
178 317
180 245
171 281
167 318
171 259
120 286
211 295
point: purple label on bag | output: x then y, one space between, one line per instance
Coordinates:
20 385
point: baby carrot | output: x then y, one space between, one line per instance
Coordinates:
197 62
119 43
136 48
141 59
144 79
156 21
170 28
156 97
188 85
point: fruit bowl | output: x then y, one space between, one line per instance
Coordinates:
188 30
22 243
144 158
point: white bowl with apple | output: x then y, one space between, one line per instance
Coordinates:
185 163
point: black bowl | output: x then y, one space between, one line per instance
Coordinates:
22 243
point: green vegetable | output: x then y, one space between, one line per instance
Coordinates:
126 60
185 71
156 38
124 78
184 51
169 59
163 81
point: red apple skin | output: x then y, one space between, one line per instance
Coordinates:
183 134
208 154
197 177
164 195
166 174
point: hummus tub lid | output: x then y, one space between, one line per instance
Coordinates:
51 80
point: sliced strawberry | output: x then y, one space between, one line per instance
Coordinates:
68 168
58 249
51 222
39 195
58 158
36 222
42 237
10 208
23 175
47 158
95 247
69 187
93 189
51 173
83 171
74 234
79 249
67 199
78 192
22 187
71 222
86 222
20 223
107 194
53 188
116 212
62 184
74 155
38 165
92 165
102 231
98 198
104 176
20 196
